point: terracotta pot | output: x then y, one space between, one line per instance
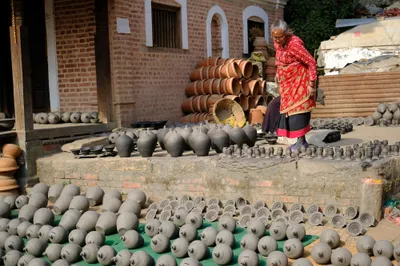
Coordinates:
231 86
11 151
203 103
233 97
256 116
256 101
231 70
245 89
216 86
210 61
262 108
212 100
208 86
8 165
244 102
70 219
7 176
253 87
88 220
8 182
246 68
256 72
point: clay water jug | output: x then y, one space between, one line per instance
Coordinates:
146 143
54 192
106 223
70 219
138 196
87 221
251 134
237 136
126 221
160 136
201 144
175 144
43 216
219 139
124 145
95 195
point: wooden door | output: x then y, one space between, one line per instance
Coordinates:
34 19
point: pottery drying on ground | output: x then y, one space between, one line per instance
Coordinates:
146 144
79 203
160 136
89 253
14 242
12 226
124 145
126 221
201 144
160 243
225 237
237 136
293 248
35 247
130 206
122 258
174 143
208 236
341 256
62 204
383 248
58 235
152 226
70 219
266 245
105 255
43 216
251 135
77 236
38 199
140 258
53 252
106 223
21 201
95 195
27 212
132 239
55 192
248 258
330 237
137 195
180 247
11 258
22 227
219 140
321 253
361 259
166 260
249 242
32 231
96 238
71 190
222 254
111 204
278 230
24 260
365 244
198 250
44 232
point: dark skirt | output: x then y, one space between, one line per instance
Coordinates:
294 126
271 118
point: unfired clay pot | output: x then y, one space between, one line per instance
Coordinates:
11 258
152 226
10 200
71 190
43 216
35 247
137 195
106 223
55 192
227 223
180 247
27 212
248 258
58 235
293 248
38 199
122 258
166 260
208 236
77 236
147 143
70 219
12 226
296 231
44 232
169 229
189 232
89 253
60 262
198 250
383 248
71 253
3 224
3 237
321 253
21 201
219 140
174 144
124 145
132 239
201 144
95 195
341 256
365 244
62 203
277 258
25 259
278 230
159 243
266 245
225 237
256 227
190 262
22 227
126 221
331 237
88 220
140 258
105 255
40 188
96 238
32 231
111 205
130 206
79 203
249 242
195 219
361 259
53 252
222 254
14 242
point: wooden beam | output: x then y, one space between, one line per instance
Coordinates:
21 78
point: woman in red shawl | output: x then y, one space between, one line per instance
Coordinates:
297 75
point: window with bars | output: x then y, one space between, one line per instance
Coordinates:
166 20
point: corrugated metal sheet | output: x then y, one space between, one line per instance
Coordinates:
357 95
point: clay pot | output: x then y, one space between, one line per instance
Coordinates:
3 237
130 206
180 216
141 258
38 199
225 237
166 260
32 231
35 247
188 231
174 144
361 259
266 245
201 144
11 258
185 133
44 232
87 221
222 254
219 140
321 253
127 221
341 256
122 258
114 193
11 151
75 117
330 237
27 212
43 118
256 227
251 134
293 248
376 116
296 231
387 116
43 216
383 248
58 235
14 242
249 242
365 244
60 262
77 236
237 136
195 219
160 136
124 145
95 238
302 262
25 260
277 258
85 117
180 247
53 252
79 203
70 219
152 227
5 210
65 117
22 227
54 192
113 137
209 61
95 196
160 243
71 190
198 250
138 196
190 262
146 143
278 230
169 229
3 224
21 201
256 116
71 253
249 258
106 223
54 119
89 253
132 239
111 204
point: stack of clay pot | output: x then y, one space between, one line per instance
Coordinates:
270 71
216 78
387 114
8 167
66 117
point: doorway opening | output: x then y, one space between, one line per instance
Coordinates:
250 25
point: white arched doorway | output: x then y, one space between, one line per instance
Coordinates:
149 23
216 10
253 11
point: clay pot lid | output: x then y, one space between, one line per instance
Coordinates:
7 188
8 164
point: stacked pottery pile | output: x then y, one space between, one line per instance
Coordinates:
8 167
66 117
217 78
270 71
387 114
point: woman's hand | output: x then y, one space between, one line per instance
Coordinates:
311 89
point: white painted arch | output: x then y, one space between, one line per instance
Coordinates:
149 23
253 11
216 10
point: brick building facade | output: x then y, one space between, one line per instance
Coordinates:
147 82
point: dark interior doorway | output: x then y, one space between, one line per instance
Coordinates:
250 25
34 19
6 81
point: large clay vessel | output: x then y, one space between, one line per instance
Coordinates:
53 252
111 204
43 216
237 136
24 260
54 192
88 220
146 143
70 219
130 206
251 134
201 144
124 145
106 223
27 212
79 203
160 136
71 190
38 199
126 221
11 151
185 133
62 204
95 195
138 196
175 144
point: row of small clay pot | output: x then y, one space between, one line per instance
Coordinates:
387 114
66 117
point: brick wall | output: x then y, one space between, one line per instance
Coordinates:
149 83
75 32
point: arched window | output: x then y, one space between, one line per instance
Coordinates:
223 23
253 11
183 26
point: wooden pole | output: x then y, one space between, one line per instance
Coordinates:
21 78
